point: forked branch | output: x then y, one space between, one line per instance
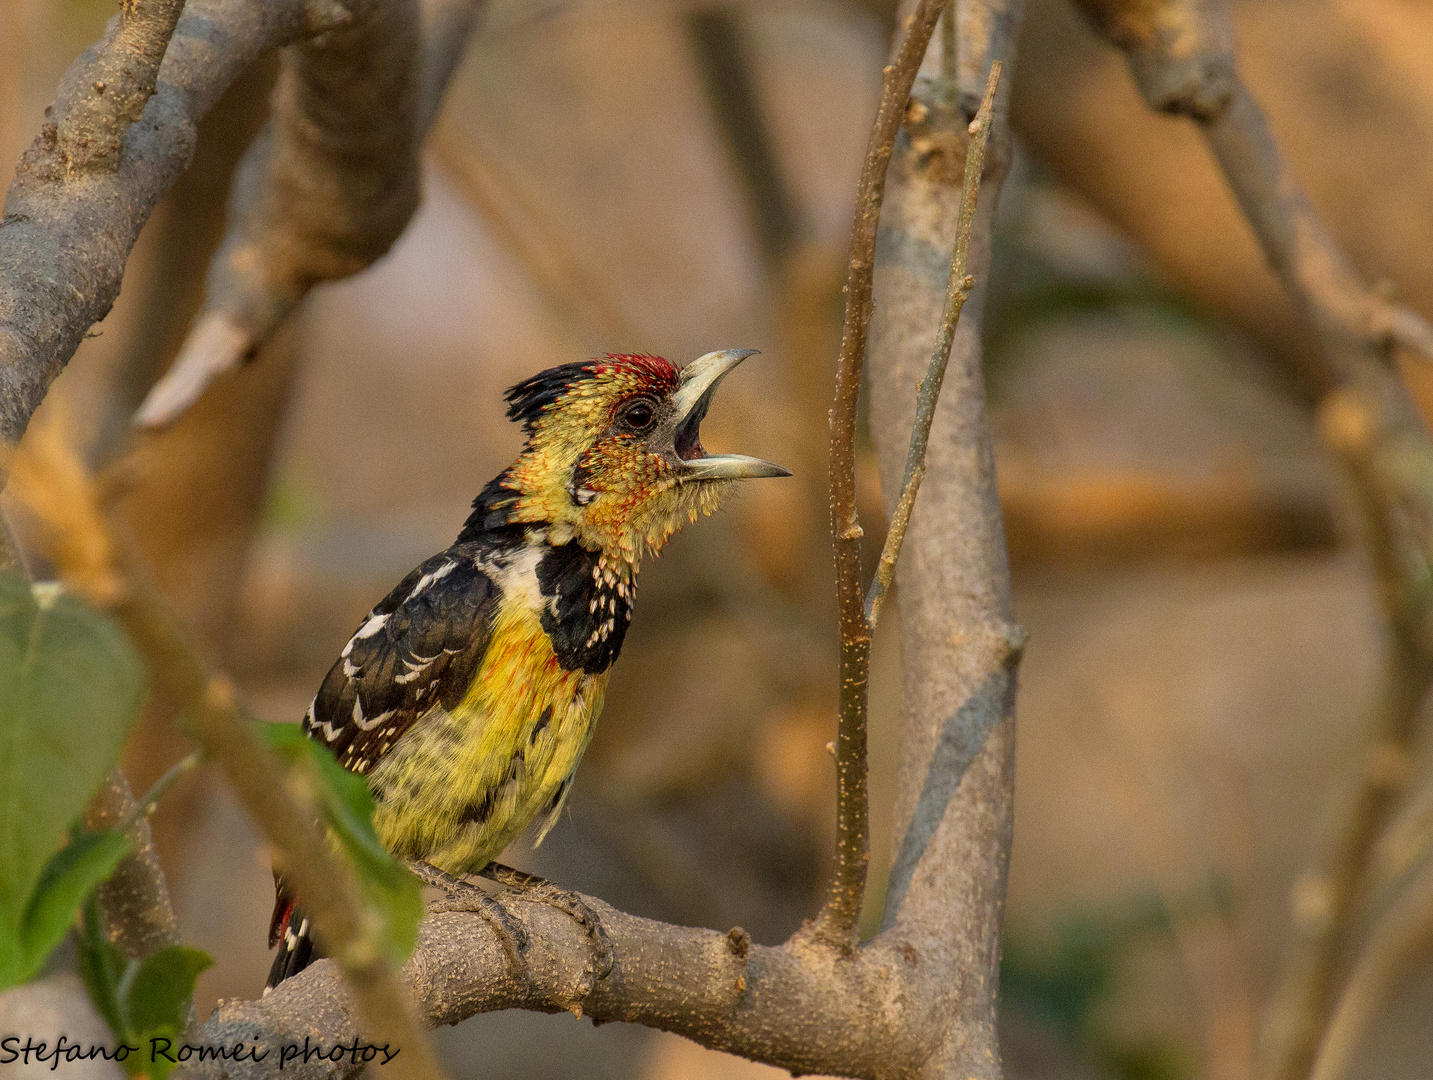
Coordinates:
1181 54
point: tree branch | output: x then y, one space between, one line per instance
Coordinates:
959 644
51 481
1392 943
1181 54
327 187
95 117
138 916
65 235
836 924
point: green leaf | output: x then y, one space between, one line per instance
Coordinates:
154 993
139 999
347 807
101 966
70 688
67 879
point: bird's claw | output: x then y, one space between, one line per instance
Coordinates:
604 956
460 895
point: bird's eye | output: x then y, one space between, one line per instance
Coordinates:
639 415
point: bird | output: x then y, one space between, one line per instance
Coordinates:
467 696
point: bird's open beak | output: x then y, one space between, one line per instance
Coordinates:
693 397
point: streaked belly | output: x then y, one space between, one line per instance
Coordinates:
460 786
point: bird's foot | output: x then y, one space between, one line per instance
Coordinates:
565 901
460 895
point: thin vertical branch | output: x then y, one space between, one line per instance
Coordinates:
956 293
1394 940
836 923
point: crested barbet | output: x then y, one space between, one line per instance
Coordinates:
468 695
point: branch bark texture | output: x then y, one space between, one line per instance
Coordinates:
328 186
836 924
959 643
138 916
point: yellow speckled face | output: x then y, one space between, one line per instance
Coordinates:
606 458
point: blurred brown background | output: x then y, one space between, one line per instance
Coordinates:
645 175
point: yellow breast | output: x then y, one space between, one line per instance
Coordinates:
460 786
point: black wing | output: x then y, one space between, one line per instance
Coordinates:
420 647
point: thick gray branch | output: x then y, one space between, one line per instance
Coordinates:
800 1006
328 186
959 642
94 117
66 234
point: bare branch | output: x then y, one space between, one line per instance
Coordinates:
959 644
836 924
325 190
800 1006
95 117
65 235
956 293
1181 53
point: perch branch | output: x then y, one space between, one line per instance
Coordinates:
1181 54
957 292
800 1006
836 923
326 188
53 484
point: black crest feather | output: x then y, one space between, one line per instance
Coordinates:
529 398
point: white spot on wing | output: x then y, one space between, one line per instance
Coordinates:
374 624
437 575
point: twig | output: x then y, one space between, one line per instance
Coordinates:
52 482
96 116
957 292
1394 940
145 806
836 923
